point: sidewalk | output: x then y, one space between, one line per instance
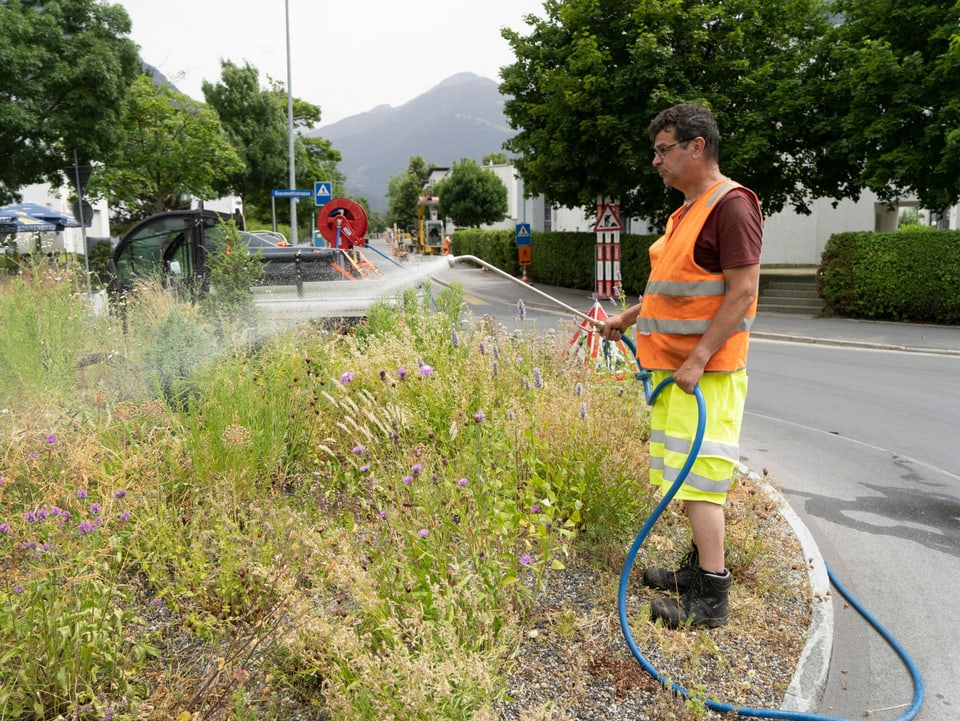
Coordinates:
880 335
883 335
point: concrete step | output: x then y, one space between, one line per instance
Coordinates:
790 294
799 294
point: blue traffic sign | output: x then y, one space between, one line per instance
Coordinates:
523 234
322 192
291 193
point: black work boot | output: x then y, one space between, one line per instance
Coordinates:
704 603
677 581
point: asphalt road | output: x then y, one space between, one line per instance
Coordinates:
864 445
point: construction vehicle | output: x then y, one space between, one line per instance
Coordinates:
427 237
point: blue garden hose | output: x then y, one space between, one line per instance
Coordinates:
651 397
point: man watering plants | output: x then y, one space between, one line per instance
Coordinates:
693 323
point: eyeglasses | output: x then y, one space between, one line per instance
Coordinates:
664 149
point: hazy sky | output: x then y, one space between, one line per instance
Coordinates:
347 56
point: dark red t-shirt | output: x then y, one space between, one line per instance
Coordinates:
732 234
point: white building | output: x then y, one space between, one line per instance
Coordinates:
789 238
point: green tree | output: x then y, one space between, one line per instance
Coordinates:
404 191
65 68
256 122
170 148
495 159
472 196
884 107
590 76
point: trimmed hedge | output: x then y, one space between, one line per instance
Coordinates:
565 260
908 275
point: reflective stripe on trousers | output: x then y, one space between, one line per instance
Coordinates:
673 424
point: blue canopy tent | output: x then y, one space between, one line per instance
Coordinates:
34 218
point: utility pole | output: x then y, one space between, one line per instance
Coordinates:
293 169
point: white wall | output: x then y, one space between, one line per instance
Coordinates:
793 239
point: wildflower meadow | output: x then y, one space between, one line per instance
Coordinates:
202 520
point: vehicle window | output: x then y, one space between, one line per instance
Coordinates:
143 252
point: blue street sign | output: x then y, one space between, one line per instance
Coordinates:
322 192
292 193
523 234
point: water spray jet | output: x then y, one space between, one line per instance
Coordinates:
452 260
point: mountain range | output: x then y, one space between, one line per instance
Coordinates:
461 117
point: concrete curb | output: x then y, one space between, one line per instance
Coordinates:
785 337
810 677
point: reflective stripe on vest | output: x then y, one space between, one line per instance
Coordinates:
681 298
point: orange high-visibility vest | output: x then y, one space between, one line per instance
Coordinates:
681 298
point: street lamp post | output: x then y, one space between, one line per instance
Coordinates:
293 170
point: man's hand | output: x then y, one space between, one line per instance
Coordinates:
615 326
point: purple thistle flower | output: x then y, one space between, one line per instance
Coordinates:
55 511
423 532
51 439
346 377
81 494
358 449
462 482
535 508
120 493
94 509
526 559
86 527
30 517
407 480
426 371
479 417
417 467
66 515
365 468
401 373
41 514
124 517
18 589
382 515
4 528
33 455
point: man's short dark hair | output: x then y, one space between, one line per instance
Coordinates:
690 121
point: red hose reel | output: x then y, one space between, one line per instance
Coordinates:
343 223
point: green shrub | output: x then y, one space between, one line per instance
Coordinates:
908 275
